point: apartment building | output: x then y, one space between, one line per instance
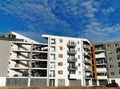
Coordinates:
113 61
23 62
63 61
99 64
105 62
69 61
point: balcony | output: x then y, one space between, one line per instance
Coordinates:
72 68
102 77
72 59
21 50
20 68
88 74
88 69
86 61
100 49
72 76
88 77
86 54
71 52
101 70
86 47
71 44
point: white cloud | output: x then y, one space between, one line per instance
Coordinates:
89 8
69 18
108 10
101 33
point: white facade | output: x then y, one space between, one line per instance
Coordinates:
69 61
23 61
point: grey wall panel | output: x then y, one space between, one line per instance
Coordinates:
4 57
16 81
61 82
38 82
75 82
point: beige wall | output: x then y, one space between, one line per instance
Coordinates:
4 57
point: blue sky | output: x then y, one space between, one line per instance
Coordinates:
96 20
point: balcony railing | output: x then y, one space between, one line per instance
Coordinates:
71 51
72 76
87 47
88 69
72 68
72 59
87 61
71 44
88 77
99 50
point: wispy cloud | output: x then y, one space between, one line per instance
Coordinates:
78 18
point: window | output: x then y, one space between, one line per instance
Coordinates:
60 72
119 71
71 65
61 48
118 50
61 41
52 41
112 73
52 57
112 81
52 49
101 66
118 57
100 61
116 45
111 66
118 64
99 48
78 56
109 52
72 72
60 63
109 46
78 49
72 57
60 55
110 59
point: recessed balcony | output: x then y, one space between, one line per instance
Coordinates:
72 59
88 69
71 44
86 61
71 52
72 76
72 68
86 47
